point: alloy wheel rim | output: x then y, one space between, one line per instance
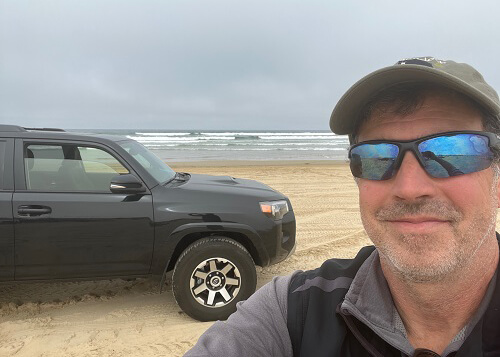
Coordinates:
215 282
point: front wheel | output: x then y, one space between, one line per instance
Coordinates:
211 276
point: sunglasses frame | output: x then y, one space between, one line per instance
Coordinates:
412 145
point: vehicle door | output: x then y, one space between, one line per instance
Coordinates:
6 218
68 223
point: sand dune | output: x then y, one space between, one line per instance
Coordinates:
131 318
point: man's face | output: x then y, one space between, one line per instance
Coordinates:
426 228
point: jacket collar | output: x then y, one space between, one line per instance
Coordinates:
369 300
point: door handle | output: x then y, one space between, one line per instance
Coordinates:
33 210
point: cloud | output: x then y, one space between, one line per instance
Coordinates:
218 64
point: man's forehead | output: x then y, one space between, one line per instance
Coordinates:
433 104
435 114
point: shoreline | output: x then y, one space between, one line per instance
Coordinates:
242 163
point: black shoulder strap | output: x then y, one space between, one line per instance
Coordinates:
318 292
297 310
491 321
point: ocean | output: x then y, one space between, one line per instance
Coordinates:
202 145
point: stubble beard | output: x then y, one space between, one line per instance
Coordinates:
453 255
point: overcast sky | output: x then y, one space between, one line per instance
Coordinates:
214 64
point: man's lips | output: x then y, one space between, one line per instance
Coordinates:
416 224
418 220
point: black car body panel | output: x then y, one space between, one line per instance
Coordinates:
85 234
7 242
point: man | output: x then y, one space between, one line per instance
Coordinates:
425 158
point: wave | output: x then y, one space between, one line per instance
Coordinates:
180 148
270 144
163 134
236 133
173 139
186 145
296 137
284 144
247 137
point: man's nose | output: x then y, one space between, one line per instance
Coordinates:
411 180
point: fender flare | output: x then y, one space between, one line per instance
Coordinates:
166 248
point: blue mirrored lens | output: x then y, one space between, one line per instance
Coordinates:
374 161
454 155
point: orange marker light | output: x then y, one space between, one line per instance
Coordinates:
265 208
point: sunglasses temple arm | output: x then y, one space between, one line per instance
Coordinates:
495 145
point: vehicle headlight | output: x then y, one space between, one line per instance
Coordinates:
274 209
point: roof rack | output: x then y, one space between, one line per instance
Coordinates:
14 128
44 129
11 128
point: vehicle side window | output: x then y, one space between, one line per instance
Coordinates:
99 161
69 168
2 162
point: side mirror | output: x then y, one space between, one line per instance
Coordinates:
127 183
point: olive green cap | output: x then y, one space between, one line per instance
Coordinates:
458 76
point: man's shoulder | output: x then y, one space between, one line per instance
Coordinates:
333 273
337 267
314 294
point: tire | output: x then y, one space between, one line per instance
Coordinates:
211 276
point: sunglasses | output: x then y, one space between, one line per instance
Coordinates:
441 155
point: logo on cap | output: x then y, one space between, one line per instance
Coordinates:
423 61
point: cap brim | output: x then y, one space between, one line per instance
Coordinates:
346 112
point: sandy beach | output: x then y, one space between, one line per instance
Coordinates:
131 318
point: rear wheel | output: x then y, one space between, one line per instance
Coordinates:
211 276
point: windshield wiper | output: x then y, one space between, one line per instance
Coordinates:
179 176
185 176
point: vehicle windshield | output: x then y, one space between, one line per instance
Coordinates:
152 163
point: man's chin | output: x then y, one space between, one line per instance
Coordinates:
419 247
420 267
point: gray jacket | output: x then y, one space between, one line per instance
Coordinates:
259 326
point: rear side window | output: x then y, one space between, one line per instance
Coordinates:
69 168
2 162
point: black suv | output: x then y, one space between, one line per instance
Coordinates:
80 206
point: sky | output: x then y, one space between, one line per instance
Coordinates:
219 64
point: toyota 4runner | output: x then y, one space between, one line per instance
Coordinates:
85 206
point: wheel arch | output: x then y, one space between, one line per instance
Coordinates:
185 235
190 238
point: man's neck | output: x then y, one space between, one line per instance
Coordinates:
434 312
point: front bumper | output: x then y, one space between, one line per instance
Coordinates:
285 231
